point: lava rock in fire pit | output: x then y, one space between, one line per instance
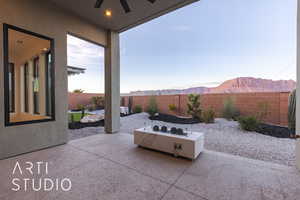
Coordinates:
180 131
164 129
174 130
155 128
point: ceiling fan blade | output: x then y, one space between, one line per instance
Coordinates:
152 1
98 3
125 6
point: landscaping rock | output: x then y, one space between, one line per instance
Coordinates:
92 118
174 119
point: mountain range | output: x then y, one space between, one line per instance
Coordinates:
237 85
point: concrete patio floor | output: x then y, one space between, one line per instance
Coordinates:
111 167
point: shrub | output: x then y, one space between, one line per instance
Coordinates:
98 102
208 116
172 107
90 107
292 112
152 107
249 123
263 110
194 106
82 108
138 109
71 118
230 112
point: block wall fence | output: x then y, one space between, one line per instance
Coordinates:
76 99
247 103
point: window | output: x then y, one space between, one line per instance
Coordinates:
11 87
28 76
35 86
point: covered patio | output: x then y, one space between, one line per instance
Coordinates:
108 166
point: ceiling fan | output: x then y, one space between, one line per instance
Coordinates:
124 4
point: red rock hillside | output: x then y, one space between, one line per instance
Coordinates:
237 85
248 84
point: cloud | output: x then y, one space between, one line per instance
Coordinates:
84 54
89 56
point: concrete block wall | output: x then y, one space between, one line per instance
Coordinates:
76 99
247 103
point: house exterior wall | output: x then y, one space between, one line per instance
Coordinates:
298 88
44 18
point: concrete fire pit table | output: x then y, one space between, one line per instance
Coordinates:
189 146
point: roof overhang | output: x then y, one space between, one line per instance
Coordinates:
142 11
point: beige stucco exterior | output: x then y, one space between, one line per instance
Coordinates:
298 89
44 18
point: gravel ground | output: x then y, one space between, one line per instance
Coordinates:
223 136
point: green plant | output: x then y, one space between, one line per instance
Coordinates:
130 102
152 107
249 123
194 106
98 102
137 109
292 112
78 91
230 112
82 108
208 116
263 110
172 107
76 117
72 118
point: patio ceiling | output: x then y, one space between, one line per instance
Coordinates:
141 11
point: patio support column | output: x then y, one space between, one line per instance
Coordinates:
298 89
112 83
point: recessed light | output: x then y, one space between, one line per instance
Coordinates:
108 13
45 49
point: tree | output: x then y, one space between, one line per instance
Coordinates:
194 106
78 91
152 108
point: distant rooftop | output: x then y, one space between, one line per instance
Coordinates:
75 70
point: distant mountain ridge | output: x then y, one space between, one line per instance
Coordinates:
237 85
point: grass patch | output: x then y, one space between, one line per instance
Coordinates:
76 116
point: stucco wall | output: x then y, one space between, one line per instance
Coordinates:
44 18
298 88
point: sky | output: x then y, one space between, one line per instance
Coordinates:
89 56
202 44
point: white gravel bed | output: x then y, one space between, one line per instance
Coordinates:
223 136
226 136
